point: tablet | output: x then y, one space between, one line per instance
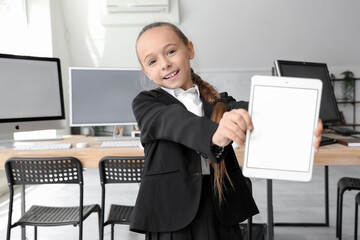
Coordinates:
285 113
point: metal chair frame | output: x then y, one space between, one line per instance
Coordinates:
116 169
357 202
38 171
344 184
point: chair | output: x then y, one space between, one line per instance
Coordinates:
56 170
344 184
357 202
118 170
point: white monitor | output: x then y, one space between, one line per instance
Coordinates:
31 95
103 96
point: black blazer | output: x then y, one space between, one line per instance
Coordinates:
173 140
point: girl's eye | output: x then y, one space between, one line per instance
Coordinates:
171 52
152 62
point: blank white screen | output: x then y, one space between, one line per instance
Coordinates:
278 134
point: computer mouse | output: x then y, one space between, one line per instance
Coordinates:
82 145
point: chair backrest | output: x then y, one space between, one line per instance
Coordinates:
20 171
121 169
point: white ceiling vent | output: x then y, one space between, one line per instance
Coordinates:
122 6
138 12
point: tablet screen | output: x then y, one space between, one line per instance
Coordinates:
284 119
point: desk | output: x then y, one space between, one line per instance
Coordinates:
89 156
330 155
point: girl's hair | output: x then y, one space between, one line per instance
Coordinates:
208 92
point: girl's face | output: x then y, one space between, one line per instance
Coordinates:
165 59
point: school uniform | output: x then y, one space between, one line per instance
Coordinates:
176 199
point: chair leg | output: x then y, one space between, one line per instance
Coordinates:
356 220
80 230
101 235
8 234
35 233
11 197
340 214
337 212
112 231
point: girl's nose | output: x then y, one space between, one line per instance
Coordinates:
166 64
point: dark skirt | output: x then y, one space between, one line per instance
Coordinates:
205 225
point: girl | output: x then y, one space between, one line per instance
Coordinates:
192 186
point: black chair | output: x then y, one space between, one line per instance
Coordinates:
56 170
118 170
344 184
357 202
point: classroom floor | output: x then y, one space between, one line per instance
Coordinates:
293 201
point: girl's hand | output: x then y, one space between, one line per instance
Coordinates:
317 134
232 127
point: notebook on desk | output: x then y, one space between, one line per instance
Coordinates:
350 142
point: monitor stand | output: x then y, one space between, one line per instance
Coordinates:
118 135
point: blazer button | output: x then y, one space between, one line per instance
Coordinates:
204 155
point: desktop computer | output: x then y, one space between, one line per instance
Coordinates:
31 95
329 112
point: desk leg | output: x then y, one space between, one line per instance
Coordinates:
270 211
326 172
22 196
310 224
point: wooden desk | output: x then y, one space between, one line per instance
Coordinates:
330 155
89 156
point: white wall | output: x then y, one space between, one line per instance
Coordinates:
233 39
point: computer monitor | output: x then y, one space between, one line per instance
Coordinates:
103 96
329 112
31 95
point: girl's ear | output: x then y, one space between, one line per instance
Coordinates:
190 47
144 71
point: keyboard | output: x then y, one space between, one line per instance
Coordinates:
123 143
45 146
327 140
345 131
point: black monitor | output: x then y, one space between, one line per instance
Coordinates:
329 112
31 95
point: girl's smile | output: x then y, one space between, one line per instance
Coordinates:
171 76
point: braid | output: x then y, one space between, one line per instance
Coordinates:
209 93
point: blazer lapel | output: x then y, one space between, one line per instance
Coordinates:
166 97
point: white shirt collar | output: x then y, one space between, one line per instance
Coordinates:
179 91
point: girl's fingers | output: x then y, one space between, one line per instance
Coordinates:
233 127
240 117
234 132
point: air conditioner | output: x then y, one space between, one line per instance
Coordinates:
122 6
